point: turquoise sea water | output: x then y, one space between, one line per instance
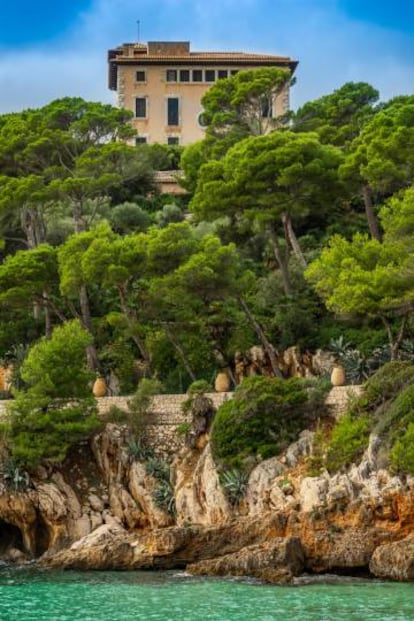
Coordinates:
27 595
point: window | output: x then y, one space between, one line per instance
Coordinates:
210 75
173 111
184 75
140 76
140 140
266 105
172 140
141 107
201 120
171 75
222 73
197 75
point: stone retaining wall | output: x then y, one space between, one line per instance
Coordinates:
165 414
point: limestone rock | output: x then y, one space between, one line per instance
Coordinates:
394 561
96 503
111 547
109 449
301 448
263 492
334 549
274 561
313 492
141 487
19 510
199 497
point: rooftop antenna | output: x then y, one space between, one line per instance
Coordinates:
138 28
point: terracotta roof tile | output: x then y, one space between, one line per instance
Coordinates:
213 56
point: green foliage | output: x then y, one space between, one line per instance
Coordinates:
183 429
199 386
382 153
56 367
116 415
162 156
338 117
140 402
233 108
15 477
138 450
164 497
386 407
402 453
393 423
386 384
349 440
169 213
234 483
158 468
39 431
129 218
57 408
263 417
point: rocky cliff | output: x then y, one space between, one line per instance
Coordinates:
105 509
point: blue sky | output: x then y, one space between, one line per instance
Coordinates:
54 48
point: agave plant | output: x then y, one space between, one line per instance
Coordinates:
15 477
164 497
235 484
157 468
138 451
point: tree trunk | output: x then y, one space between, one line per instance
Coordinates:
282 261
77 217
395 342
370 213
292 240
180 351
92 355
267 346
131 320
48 319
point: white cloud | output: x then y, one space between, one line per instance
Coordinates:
331 48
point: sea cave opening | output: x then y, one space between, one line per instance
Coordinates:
11 542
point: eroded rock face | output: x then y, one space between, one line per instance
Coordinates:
394 561
344 522
18 510
199 497
275 561
166 548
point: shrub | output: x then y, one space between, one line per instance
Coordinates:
264 416
386 384
402 453
57 408
348 442
386 407
202 411
117 415
140 402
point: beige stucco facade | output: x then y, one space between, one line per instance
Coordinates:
163 83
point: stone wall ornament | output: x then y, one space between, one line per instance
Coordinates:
338 376
99 387
222 382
